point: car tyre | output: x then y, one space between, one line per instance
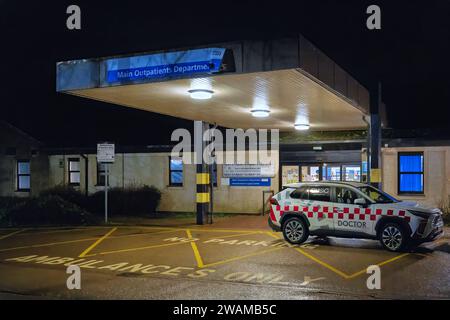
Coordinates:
393 237
295 230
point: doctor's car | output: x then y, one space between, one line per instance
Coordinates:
352 210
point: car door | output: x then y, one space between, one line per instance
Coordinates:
319 207
349 217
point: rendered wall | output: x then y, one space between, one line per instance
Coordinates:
135 169
436 174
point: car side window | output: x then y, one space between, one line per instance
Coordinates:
345 195
319 194
300 193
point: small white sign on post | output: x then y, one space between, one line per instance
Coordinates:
105 154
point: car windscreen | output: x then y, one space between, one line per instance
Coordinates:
377 195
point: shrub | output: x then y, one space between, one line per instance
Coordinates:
6 205
444 205
49 210
67 193
126 201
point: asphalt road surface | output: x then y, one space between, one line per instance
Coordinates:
130 262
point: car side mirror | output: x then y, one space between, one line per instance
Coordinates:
361 202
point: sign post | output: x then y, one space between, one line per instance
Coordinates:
105 155
106 192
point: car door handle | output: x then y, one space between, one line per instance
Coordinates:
338 210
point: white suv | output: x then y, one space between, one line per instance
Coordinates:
351 210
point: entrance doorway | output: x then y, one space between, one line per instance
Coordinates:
293 173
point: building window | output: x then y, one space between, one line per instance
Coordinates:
410 172
352 173
74 171
175 172
331 173
23 175
310 173
101 172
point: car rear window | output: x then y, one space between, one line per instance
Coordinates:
300 193
312 193
319 194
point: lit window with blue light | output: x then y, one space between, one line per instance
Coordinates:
410 172
175 172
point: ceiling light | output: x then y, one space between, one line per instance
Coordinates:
301 126
201 94
260 113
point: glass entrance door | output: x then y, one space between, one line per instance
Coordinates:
311 173
331 173
293 173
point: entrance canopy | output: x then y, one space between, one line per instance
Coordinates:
289 80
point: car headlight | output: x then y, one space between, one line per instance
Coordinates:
419 214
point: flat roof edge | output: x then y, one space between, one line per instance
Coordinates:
249 56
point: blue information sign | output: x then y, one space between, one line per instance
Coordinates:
250 182
164 65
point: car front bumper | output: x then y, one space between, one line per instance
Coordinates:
273 226
433 231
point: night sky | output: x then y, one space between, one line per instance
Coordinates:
410 56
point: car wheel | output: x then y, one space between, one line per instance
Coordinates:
393 237
295 230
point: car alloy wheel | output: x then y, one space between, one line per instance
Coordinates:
294 230
392 237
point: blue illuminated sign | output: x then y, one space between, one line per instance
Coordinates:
250 182
164 65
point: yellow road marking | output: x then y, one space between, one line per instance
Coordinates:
232 235
197 255
80 240
56 231
142 234
47 244
378 264
96 243
272 235
11 234
241 257
322 263
141 248
225 230
160 245
336 270
195 248
236 235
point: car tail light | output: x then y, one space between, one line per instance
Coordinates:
273 201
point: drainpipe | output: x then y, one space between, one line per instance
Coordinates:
367 148
86 173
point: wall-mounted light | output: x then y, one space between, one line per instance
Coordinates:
201 94
260 113
301 126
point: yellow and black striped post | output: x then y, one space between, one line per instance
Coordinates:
202 177
203 195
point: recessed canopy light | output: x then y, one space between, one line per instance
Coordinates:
260 113
201 94
301 126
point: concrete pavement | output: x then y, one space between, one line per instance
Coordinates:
211 262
